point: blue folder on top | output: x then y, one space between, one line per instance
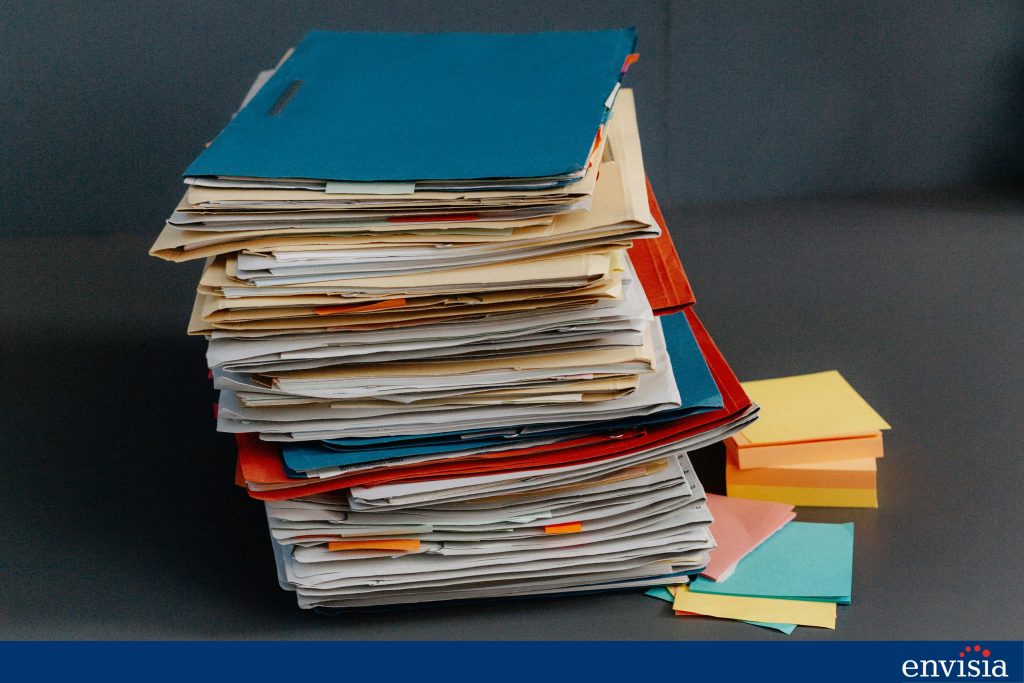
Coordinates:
697 389
445 106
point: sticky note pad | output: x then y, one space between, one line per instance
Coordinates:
747 455
855 474
840 483
807 496
802 561
805 613
821 405
740 526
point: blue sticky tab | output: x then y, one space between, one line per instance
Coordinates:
395 106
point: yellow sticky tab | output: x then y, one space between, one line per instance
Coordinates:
802 612
618 260
567 528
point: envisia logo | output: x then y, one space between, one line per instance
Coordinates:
974 661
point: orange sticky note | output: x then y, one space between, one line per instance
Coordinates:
566 528
404 544
630 61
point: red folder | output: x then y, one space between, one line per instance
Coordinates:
659 269
261 461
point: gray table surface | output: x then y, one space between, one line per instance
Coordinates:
120 519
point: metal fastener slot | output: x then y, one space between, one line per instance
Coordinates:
285 97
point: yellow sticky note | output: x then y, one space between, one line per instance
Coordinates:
803 612
811 407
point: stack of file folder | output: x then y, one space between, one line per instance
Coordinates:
449 329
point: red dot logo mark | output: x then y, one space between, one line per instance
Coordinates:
974 648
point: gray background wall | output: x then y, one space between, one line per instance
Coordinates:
104 103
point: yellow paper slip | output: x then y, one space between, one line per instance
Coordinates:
802 612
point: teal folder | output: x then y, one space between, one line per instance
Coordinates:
408 107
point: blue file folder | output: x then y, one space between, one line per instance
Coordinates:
407 107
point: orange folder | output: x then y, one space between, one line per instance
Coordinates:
659 269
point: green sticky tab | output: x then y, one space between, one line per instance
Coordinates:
346 187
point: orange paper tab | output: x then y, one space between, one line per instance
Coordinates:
630 61
567 528
597 140
361 308
404 544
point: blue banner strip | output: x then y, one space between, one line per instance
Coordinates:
519 662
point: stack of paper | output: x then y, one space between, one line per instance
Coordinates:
449 329
816 444
795 577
